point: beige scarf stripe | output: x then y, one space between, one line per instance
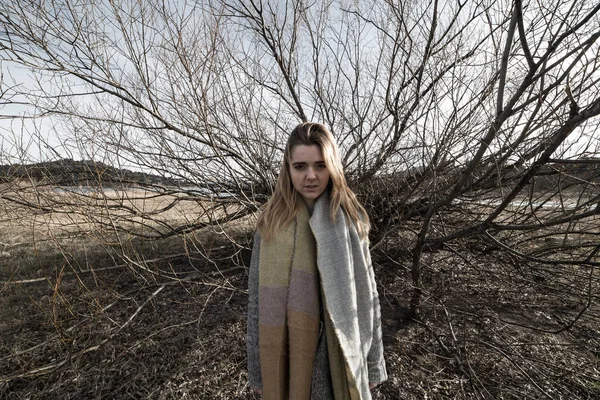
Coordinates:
288 311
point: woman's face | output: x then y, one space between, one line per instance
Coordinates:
309 173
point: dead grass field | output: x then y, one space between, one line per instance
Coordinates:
90 312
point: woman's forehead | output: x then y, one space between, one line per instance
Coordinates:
306 153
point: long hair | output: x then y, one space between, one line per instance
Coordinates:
282 209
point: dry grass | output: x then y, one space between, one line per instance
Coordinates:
101 313
90 312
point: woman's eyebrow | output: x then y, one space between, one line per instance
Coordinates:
304 162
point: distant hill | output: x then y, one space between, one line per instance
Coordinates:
569 172
68 172
557 173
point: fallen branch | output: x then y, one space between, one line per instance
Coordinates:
92 270
54 366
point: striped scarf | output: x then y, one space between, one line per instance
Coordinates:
289 307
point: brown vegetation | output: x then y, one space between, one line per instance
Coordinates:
91 313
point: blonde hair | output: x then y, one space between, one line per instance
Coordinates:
282 209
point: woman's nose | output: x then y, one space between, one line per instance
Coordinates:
311 174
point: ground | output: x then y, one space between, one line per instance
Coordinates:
83 317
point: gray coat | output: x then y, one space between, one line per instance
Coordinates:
351 298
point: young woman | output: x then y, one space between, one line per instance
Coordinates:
314 329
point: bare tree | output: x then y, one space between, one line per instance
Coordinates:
469 129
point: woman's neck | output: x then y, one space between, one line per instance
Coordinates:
310 204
